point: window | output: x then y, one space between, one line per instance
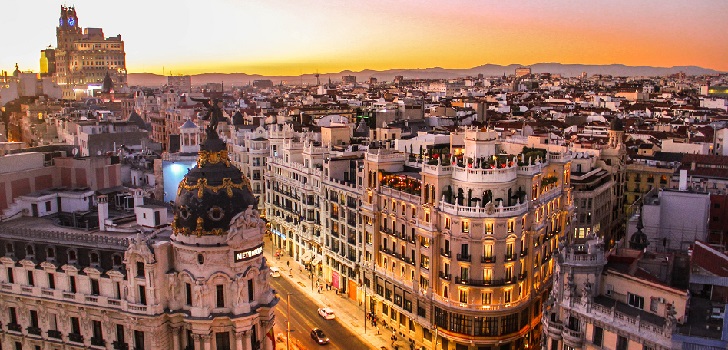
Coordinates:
511 226
487 274
220 296
489 228
250 291
34 318
188 294
488 251
31 279
72 284
463 296
635 300
142 295
138 340
96 326
447 223
598 336
95 286
140 269
507 296
466 226
486 298
653 304
75 325
222 340
94 258
11 278
51 281
622 343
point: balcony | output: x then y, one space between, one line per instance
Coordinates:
522 276
75 337
54 333
117 345
445 276
484 283
510 257
572 337
487 259
463 257
445 253
98 341
34 331
14 327
524 252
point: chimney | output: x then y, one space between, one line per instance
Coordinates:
103 211
683 186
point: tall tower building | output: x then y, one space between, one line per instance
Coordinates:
84 57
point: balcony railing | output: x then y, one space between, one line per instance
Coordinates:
491 282
15 327
54 333
34 330
445 276
522 276
524 252
463 257
123 346
98 341
445 253
75 337
487 259
510 257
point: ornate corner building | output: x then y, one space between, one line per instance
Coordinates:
459 252
611 300
201 284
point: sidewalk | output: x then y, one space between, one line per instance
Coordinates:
348 313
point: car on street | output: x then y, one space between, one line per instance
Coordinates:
275 271
326 313
319 337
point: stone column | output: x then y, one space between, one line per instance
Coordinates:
175 338
248 340
196 341
239 337
206 341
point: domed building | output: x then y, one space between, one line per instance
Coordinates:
217 237
199 283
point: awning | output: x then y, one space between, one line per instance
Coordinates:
306 257
316 261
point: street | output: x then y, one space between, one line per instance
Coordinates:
304 317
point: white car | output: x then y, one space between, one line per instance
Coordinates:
326 313
275 272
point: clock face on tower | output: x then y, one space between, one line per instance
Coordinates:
71 21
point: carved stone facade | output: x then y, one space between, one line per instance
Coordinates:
64 288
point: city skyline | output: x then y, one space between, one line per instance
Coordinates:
291 38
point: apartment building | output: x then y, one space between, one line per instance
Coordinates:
459 251
617 300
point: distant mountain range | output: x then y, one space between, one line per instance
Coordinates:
568 70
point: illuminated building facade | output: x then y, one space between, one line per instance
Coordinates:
84 57
458 250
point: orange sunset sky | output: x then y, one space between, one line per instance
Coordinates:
291 37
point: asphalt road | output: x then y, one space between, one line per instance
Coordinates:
304 317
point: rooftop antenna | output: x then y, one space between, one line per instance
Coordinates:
317 78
